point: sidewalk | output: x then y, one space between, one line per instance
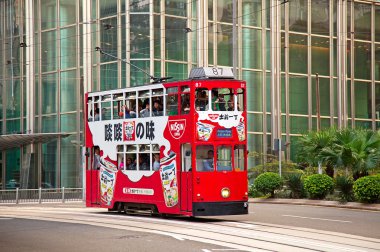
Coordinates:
324 203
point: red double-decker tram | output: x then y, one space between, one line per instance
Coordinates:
169 148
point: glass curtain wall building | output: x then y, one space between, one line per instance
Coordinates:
48 61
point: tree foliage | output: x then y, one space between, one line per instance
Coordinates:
357 150
318 185
268 182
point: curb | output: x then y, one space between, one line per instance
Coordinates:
323 203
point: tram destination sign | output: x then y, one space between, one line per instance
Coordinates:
224 133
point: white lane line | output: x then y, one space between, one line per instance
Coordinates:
177 237
251 212
206 250
224 249
5 218
311 218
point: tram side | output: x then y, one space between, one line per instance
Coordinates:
148 148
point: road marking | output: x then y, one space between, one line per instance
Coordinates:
177 237
224 249
5 218
206 250
303 217
251 212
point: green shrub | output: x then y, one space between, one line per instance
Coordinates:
344 184
318 185
286 168
295 185
252 192
367 189
268 182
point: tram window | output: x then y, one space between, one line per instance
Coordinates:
145 103
218 98
201 99
186 157
224 162
130 162
172 101
96 108
155 157
144 161
185 104
205 158
239 158
144 148
240 99
131 157
157 100
130 108
90 116
117 105
120 161
106 108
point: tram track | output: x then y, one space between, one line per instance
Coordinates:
239 235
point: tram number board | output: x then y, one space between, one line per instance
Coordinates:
224 133
218 72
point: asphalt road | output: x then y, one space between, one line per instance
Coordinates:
19 235
349 221
267 227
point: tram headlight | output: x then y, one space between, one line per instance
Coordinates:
225 192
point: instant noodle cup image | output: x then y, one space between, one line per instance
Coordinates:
169 179
107 181
240 129
204 131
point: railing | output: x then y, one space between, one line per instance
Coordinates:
41 195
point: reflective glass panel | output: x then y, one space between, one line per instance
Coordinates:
69 122
363 100
320 11
377 23
49 93
254 90
251 49
48 51
108 8
49 164
140 38
298 95
49 14
298 15
362 60
70 171
13 98
67 12
320 55
68 47
176 7
108 38
297 53
298 125
224 11
176 39
139 6
224 158
12 173
224 45
252 12
324 96
362 20
108 76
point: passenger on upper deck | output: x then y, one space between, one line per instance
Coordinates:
97 115
157 108
146 111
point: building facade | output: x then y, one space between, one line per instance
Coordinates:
281 48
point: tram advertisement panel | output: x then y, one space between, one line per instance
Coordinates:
138 132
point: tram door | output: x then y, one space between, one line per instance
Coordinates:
186 178
94 180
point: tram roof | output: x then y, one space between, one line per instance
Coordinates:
17 140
